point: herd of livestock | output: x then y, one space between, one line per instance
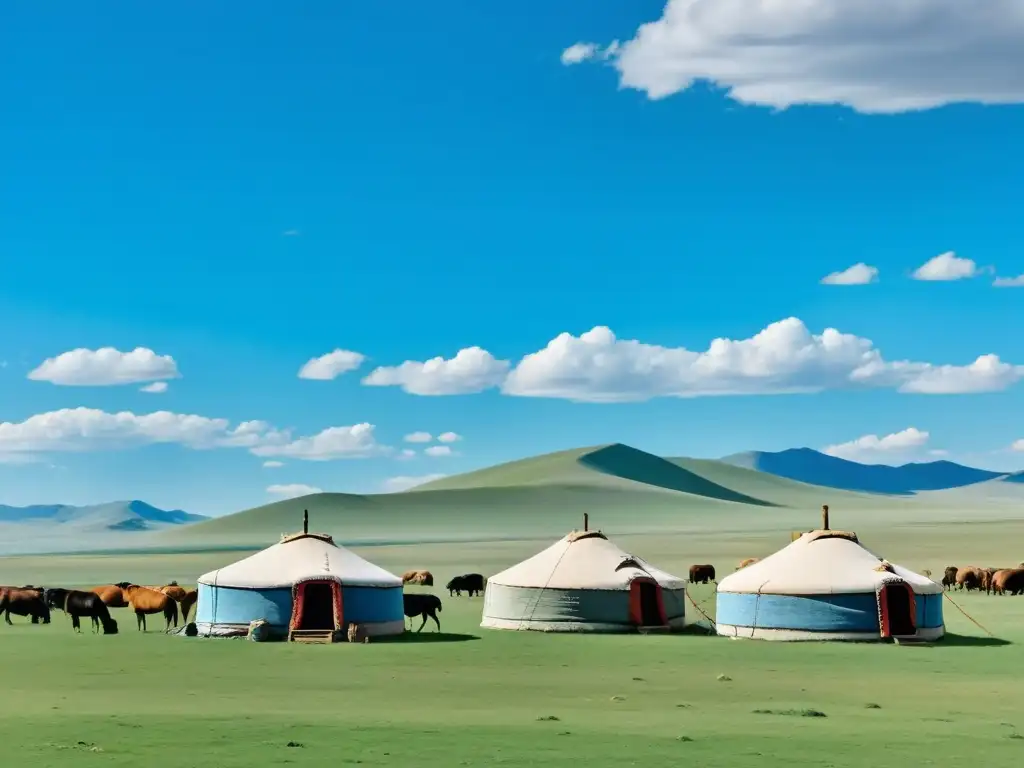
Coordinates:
992 581
95 604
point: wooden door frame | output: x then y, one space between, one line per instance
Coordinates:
883 606
298 600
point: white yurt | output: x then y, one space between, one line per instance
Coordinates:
584 583
304 583
826 585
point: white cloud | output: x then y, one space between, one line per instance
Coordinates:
105 367
438 450
1009 282
332 365
784 358
85 429
404 482
471 370
875 56
418 437
859 274
946 267
89 429
273 464
293 490
1017 446
898 445
449 437
405 454
578 52
354 442
156 388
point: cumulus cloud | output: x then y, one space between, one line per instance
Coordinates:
156 388
273 464
438 450
875 56
859 274
293 490
946 267
896 445
471 370
354 442
418 437
784 358
404 482
578 52
1009 282
449 437
332 365
89 429
106 366
1017 446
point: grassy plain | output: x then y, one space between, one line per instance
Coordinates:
476 697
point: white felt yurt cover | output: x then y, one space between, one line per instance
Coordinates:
297 559
584 560
822 562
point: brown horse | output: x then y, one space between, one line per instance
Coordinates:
112 595
145 601
187 602
24 601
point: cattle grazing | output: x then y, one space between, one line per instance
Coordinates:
24 601
187 602
77 604
424 578
949 577
112 595
146 601
467 582
744 563
702 574
425 606
1008 580
969 578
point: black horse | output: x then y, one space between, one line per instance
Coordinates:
77 604
467 582
421 604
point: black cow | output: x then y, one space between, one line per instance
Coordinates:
467 582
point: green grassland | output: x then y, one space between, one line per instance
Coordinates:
470 696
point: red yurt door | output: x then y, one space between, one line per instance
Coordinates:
897 610
316 604
646 605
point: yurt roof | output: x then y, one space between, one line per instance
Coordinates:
822 562
297 558
582 560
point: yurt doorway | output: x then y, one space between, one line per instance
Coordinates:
898 609
317 606
645 603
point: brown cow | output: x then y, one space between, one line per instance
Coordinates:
1008 580
949 577
702 574
969 578
24 601
749 561
426 578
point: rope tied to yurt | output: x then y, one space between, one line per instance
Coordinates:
540 592
757 606
965 613
700 610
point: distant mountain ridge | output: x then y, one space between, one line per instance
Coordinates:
807 465
131 515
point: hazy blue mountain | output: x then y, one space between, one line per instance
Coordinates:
816 468
132 515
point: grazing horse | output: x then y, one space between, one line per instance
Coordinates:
426 606
467 582
112 595
144 601
187 602
24 601
425 578
77 604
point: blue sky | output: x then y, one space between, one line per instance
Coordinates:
245 191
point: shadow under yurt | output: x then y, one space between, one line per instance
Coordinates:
304 588
584 583
825 585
